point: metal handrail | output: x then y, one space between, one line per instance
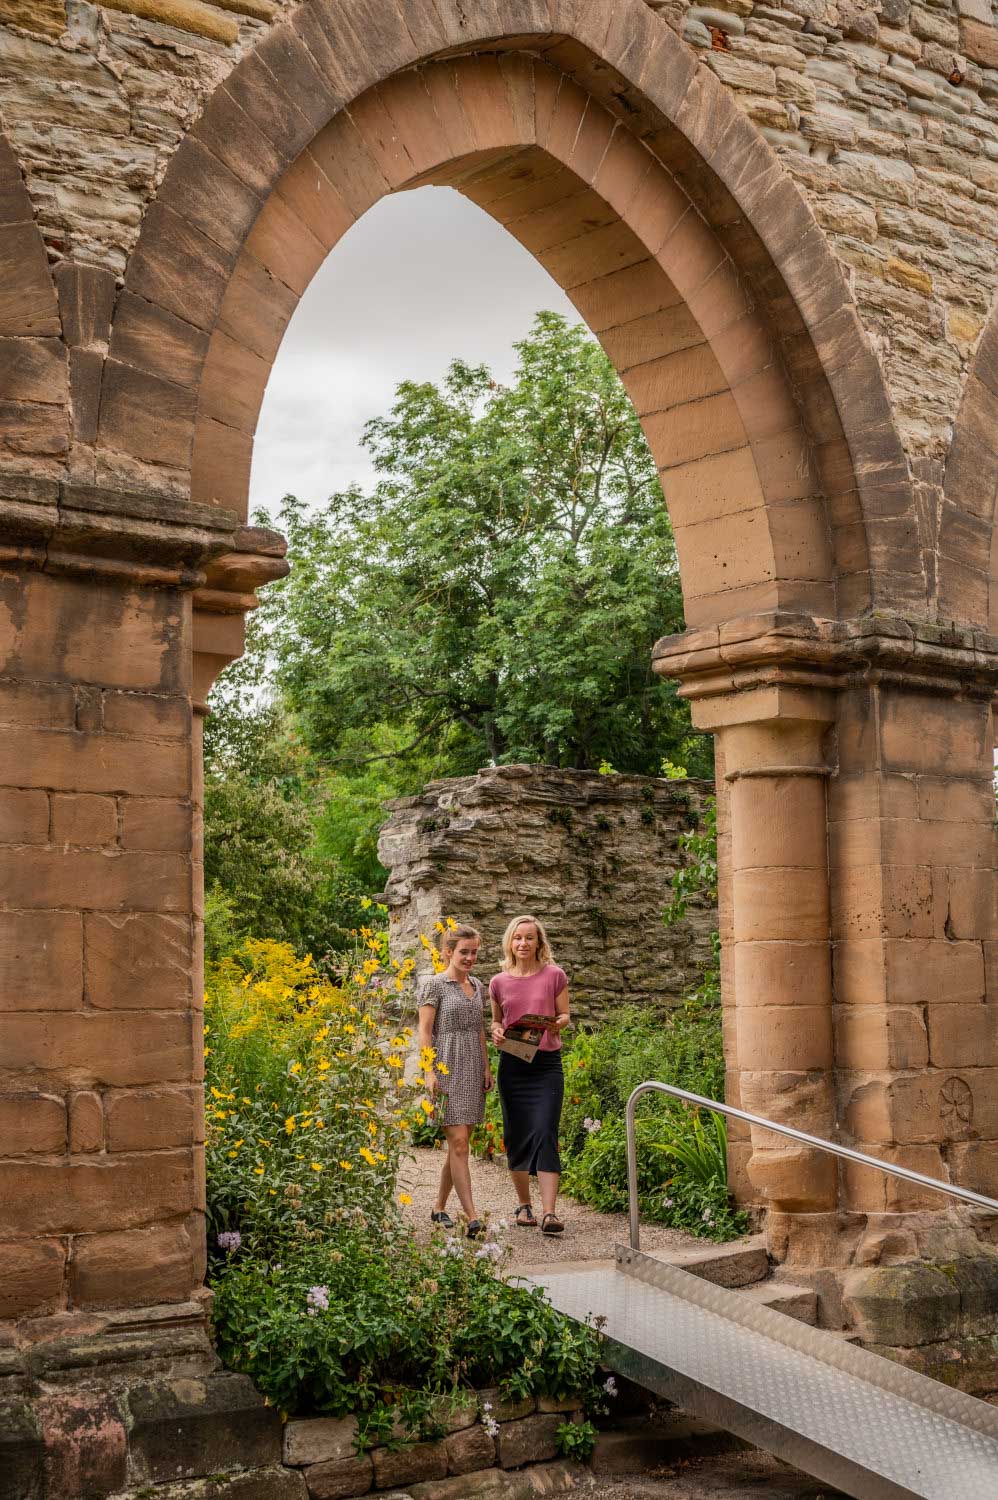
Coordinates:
978 1199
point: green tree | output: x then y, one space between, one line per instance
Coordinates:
496 594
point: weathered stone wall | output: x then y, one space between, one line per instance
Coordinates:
591 855
885 112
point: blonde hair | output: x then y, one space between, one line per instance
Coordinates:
454 935
544 954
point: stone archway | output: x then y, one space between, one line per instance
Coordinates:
858 878
747 261
968 550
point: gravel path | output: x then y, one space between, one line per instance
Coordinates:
731 1476
588 1235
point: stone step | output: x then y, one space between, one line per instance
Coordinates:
800 1302
740 1263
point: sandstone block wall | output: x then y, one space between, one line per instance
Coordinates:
101 1115
591 855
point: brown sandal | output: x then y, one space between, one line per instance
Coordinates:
524 1217
551 1224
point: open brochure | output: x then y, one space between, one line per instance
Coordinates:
524 1036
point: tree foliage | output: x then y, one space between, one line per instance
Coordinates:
495 596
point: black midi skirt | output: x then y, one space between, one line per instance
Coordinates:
531 1095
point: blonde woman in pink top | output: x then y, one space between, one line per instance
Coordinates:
531 1093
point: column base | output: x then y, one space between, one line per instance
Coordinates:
920 1288
129 1404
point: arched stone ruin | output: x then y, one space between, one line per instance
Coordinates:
782 223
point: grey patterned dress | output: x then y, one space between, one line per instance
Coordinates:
457 1040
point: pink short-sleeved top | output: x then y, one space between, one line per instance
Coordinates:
530 994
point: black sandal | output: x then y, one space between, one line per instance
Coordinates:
474 1229
524 1217
441 1217
551 1224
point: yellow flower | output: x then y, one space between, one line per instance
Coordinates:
316 1166
443 1068
368 1102
405 1199
294 1069
258 1171
426 1056
372 1128
218 1114
324 1065
398 985
217 1093
426 1106
439 927
452 925
233 1153
350 1030
206 1030
365 902
368 1156
380 1156
346 1166
360 979
237 1144
246 1101
395 1061
289 1124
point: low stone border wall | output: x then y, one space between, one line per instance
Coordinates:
473 1457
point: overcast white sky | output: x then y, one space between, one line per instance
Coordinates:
422 278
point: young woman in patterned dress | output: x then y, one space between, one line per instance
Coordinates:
451 1022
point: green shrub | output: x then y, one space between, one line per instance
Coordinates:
362 1321
682 1167
322 1296
576 1439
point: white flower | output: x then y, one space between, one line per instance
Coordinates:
591 1125
707 1216
486 1406
667 1202
610 1386
491 1426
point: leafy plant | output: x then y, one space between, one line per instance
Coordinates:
576 1439
682 1168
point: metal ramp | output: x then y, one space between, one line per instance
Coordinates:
855 1420
852 1419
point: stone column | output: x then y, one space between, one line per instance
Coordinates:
772 766
857 758
101 1109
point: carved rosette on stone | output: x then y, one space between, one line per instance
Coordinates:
856 823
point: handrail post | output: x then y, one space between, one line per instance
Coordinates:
632 1171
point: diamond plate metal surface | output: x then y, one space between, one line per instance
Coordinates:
869 1440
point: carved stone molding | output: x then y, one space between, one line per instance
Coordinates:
799 654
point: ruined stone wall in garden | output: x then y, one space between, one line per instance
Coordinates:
592 856
884 111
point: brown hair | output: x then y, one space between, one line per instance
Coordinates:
451 936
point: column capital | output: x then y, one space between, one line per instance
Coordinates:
227 593
792 666
97 530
